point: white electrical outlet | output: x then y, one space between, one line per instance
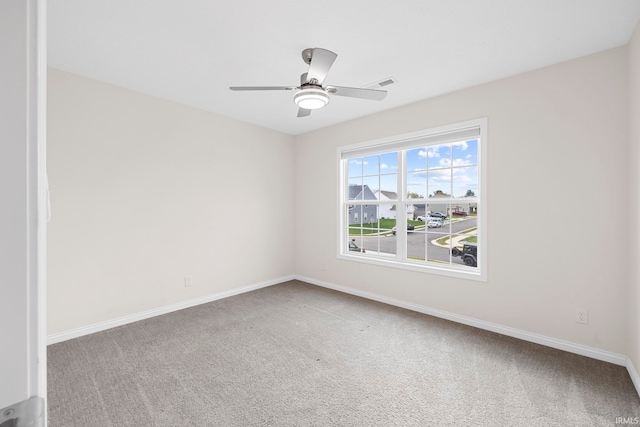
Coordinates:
582 316
187 281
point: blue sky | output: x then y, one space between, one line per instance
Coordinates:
451 168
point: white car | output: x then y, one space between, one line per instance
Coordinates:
434 223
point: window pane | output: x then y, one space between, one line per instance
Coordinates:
386 212
417 211
389 163
371 165
371 185
416 245
439 156
355 213
416 185
465 250
416 159
354 239
354 167
460 211
389 184
439 183
438 245
377 237
465 182
465 153
438 210
355 189
464 239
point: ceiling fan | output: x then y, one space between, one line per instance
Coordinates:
311 94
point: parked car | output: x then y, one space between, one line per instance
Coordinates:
468 253
434 223
459 213
355 248
420 218
410 227
437 215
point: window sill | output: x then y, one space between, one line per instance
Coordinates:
448 271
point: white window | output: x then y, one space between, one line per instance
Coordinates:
437 176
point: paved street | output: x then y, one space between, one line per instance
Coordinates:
416 241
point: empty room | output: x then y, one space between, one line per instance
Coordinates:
295 213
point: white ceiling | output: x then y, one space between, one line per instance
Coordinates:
191 51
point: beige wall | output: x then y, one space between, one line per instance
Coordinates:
146 191
634 236
557 180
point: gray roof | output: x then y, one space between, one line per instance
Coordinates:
355 190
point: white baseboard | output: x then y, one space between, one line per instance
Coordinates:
634 375
617 359
97 327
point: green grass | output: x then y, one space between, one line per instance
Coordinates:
470 239
443 240
357 231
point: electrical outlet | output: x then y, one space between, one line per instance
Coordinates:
582 316
187 281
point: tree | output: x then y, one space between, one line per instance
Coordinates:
470 194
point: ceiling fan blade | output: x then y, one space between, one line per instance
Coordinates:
263 87
354 92
303 113
321 62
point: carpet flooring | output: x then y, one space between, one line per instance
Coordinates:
295 354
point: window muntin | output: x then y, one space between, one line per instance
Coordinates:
424 173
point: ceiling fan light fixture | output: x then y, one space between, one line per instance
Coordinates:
311 98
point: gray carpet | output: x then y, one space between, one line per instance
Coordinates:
299 355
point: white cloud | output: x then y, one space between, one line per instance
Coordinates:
358 162
462 179
439 173
430 152
463 145
469 156
456 162
384 166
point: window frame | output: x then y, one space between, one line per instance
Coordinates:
399 143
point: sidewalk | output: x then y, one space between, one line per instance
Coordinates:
456 240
